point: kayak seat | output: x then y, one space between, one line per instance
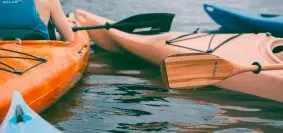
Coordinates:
277 49
11 34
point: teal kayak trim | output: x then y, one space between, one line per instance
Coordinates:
22 119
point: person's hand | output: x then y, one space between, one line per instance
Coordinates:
72 19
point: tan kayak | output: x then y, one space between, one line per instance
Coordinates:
241 49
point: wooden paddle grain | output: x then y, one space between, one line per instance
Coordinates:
187 71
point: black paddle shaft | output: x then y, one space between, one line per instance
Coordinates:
152 23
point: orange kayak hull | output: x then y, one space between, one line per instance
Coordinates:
42 83
241 49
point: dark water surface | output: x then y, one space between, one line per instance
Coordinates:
122 93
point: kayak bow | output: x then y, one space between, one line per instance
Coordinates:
242 49
22 119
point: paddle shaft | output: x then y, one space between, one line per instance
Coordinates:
108 26
258 68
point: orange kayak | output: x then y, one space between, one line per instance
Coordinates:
243 49
42 71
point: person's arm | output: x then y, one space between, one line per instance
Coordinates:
60 20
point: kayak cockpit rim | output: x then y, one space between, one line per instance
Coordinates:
275 50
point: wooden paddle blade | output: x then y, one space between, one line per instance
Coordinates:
187 71
146 24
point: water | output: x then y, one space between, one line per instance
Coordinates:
122 93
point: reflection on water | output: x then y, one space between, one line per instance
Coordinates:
239 130
110 101
122 93
112 80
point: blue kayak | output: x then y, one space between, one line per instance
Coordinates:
22 119
245 22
